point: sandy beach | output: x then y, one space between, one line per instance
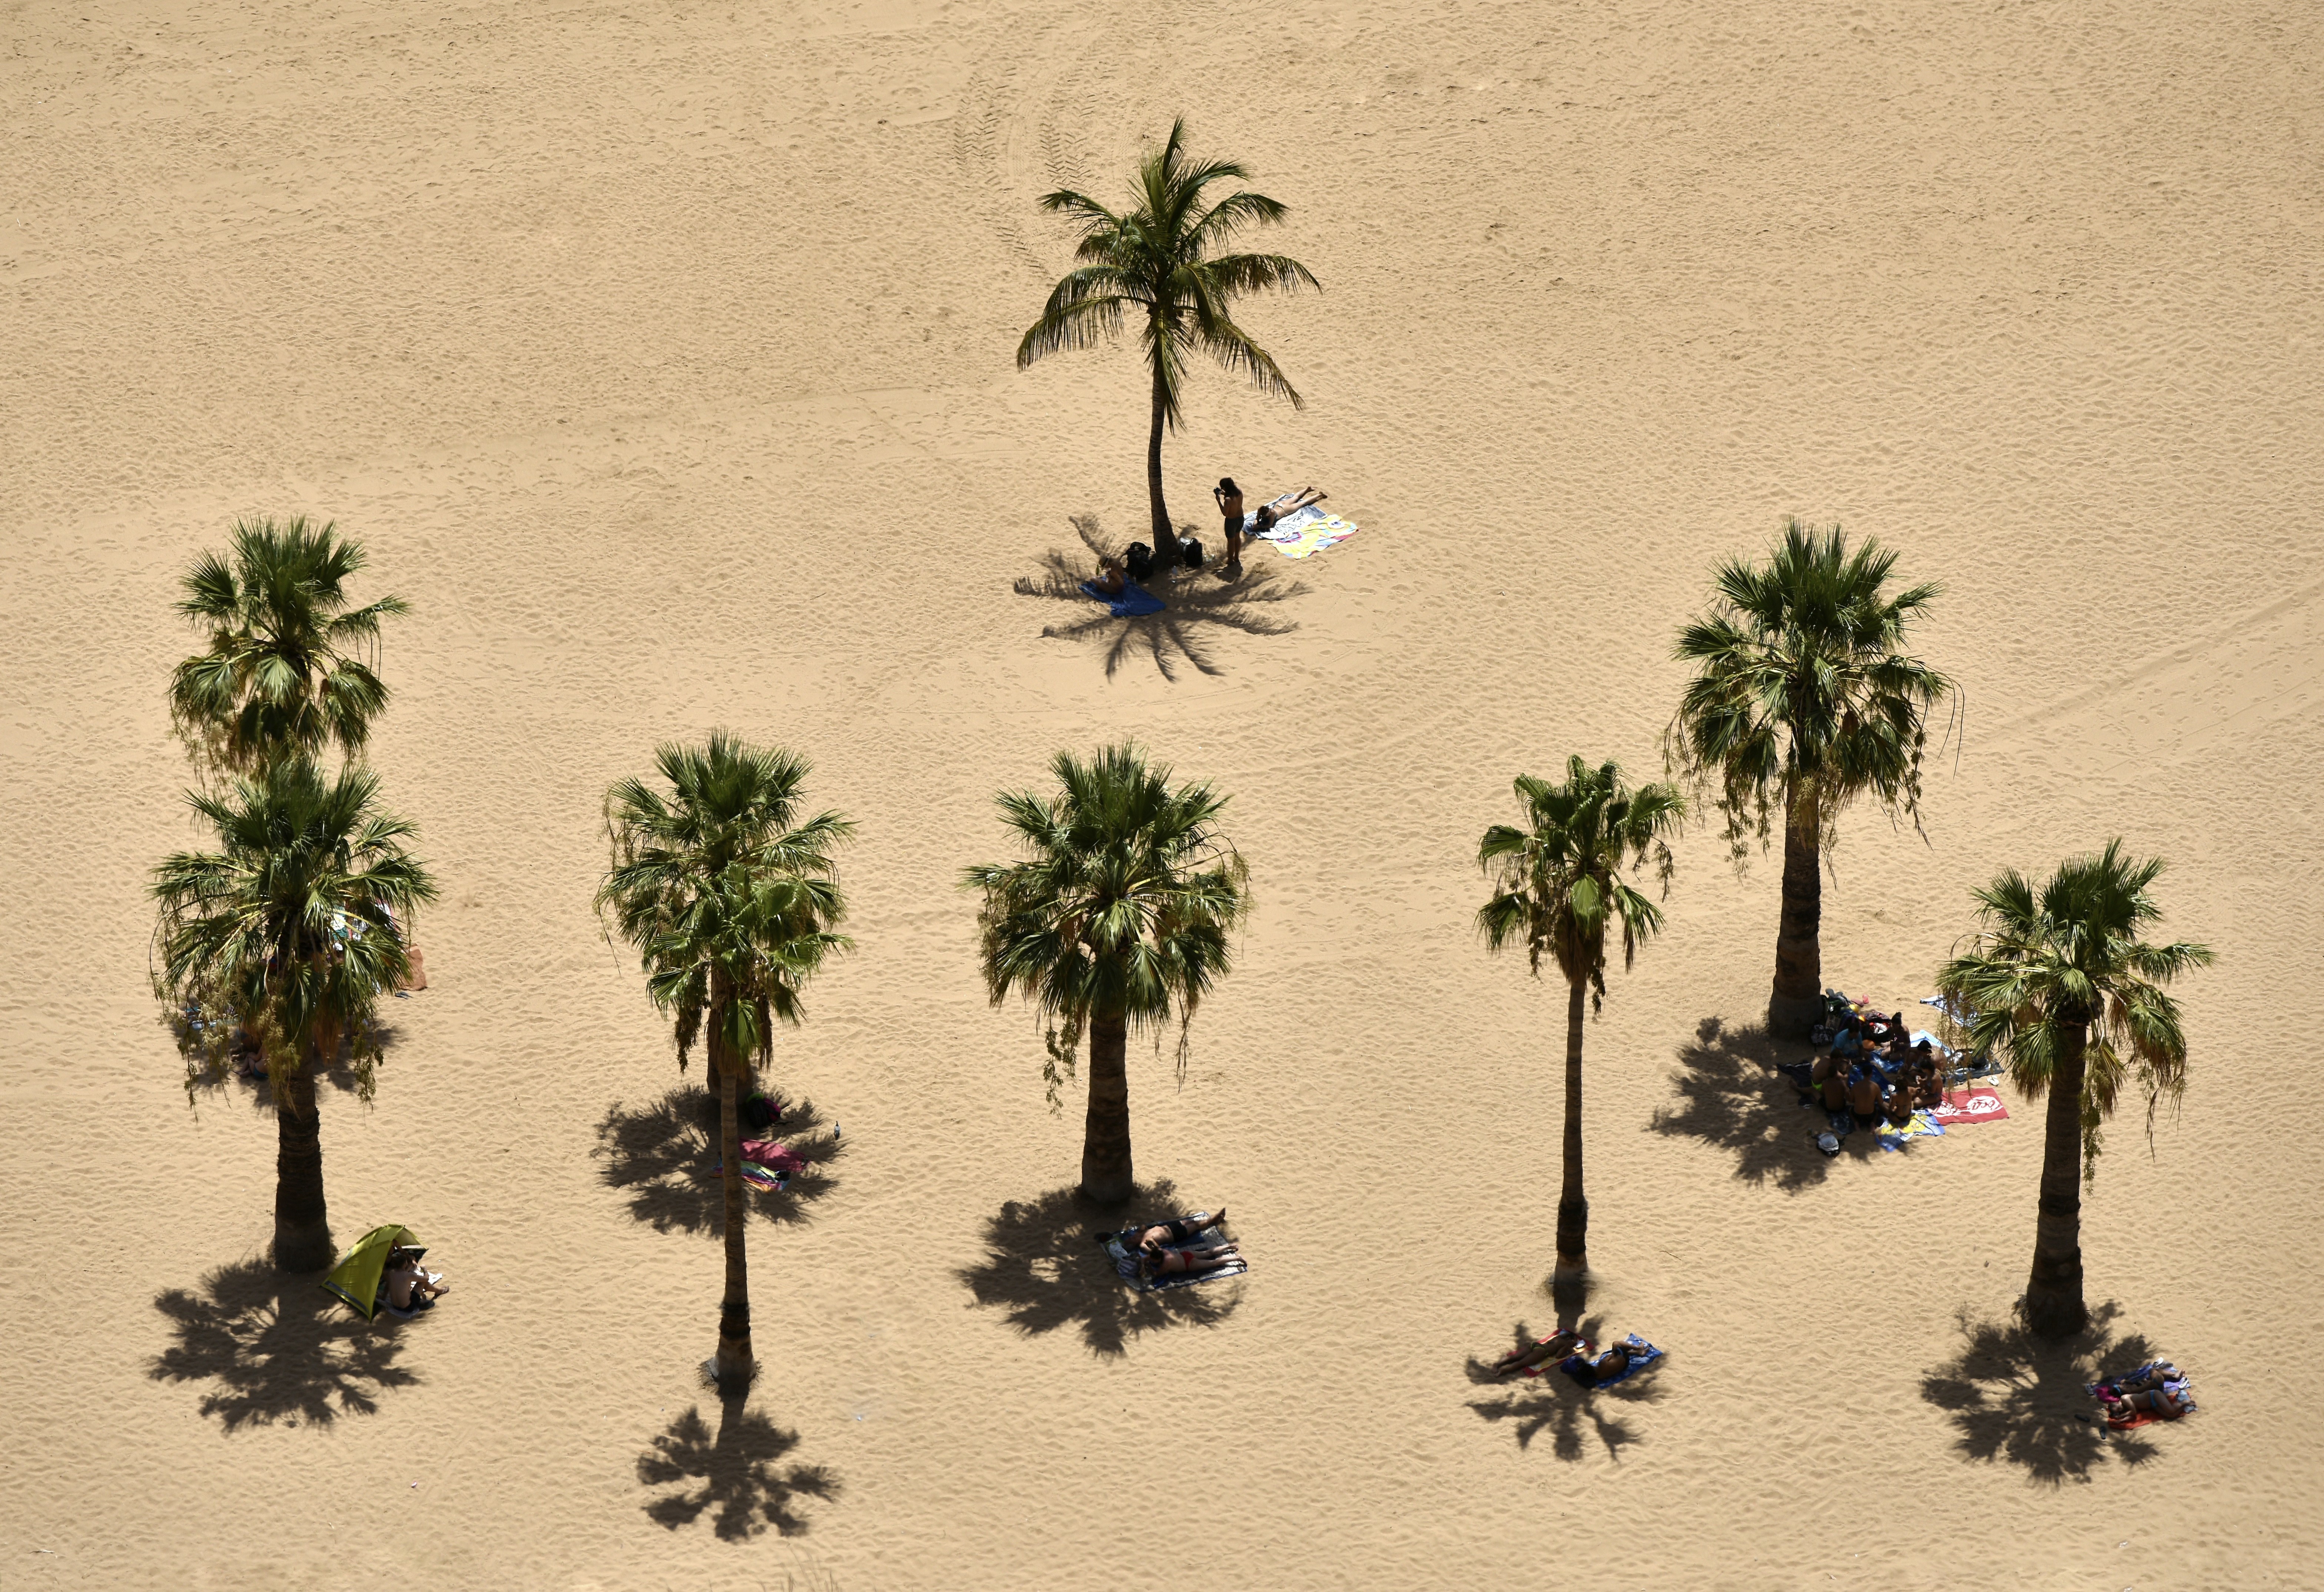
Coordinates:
661 356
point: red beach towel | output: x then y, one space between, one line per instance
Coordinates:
1967 1106
768 1153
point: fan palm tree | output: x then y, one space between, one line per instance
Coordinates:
2059 980
291 930
1803 699
1558 887
1158 260
733 903
278 674
1121 916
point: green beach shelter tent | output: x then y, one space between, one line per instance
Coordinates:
354 1281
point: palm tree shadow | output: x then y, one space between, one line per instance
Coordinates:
1553 1402
1042 1267
660 1154
2014 1397
276 1348
1730 1097
1198 602
735 1475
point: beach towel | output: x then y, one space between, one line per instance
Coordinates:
1125 1261
1967 1106
1134 600
1573 1367
2177 1387
1302 534
775 1157
1923 1125
756 1176
2107 1387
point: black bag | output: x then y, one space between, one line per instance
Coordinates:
1190 552
759 1113
1139 561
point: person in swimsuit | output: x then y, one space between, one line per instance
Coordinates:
1532 1355
1154 1239
2162 1402
1271 513
1606 1367
1109 577
1230 501
409 1288
1164 1263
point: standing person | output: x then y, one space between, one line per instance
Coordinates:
1230 501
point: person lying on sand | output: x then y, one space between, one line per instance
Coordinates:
1599 1369
1528 1356
2161 1401
1165 1263
2164 1372
1270 513
1151 1240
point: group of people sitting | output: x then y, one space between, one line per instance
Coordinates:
1878 1072
1590 1370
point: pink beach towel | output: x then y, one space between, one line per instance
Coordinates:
768 1153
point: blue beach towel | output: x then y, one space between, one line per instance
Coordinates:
1125 1262
1134 600
1572 1365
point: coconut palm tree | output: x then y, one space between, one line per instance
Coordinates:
292 930
279 674
1803 699
1121 916
2059 980
733 903
1158 260
1558 887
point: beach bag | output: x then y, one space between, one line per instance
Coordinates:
759 1113
1139 561
1191 551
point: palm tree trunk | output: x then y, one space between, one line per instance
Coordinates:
1106 1175
1797 999
302 1226
1164 542
735 1363
1573 1205
2054 1294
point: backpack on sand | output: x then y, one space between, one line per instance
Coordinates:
1138 563
1190 551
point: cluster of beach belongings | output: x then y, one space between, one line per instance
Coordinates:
1121 1249
767 1163
1581 1364
2156 1391
360 1280
1877 1075
1303 533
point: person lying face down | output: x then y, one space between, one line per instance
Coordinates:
2122 1410
1199 1257
1152 1240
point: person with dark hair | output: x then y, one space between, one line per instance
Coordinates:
1204 1257
1267 515
1110 578
409 1288
1230 501
1152 1240
1597 1370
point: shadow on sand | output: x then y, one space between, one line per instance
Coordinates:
2019 1399
734 1475
661 1155
275 1349
1553 1402
1732 1097
1197 599
1044 1269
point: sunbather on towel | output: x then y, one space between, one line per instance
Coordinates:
1599 1369
2161 1403
1528 1357
1266 517
2160 1373
1165 1263
1151 1240
1109 577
